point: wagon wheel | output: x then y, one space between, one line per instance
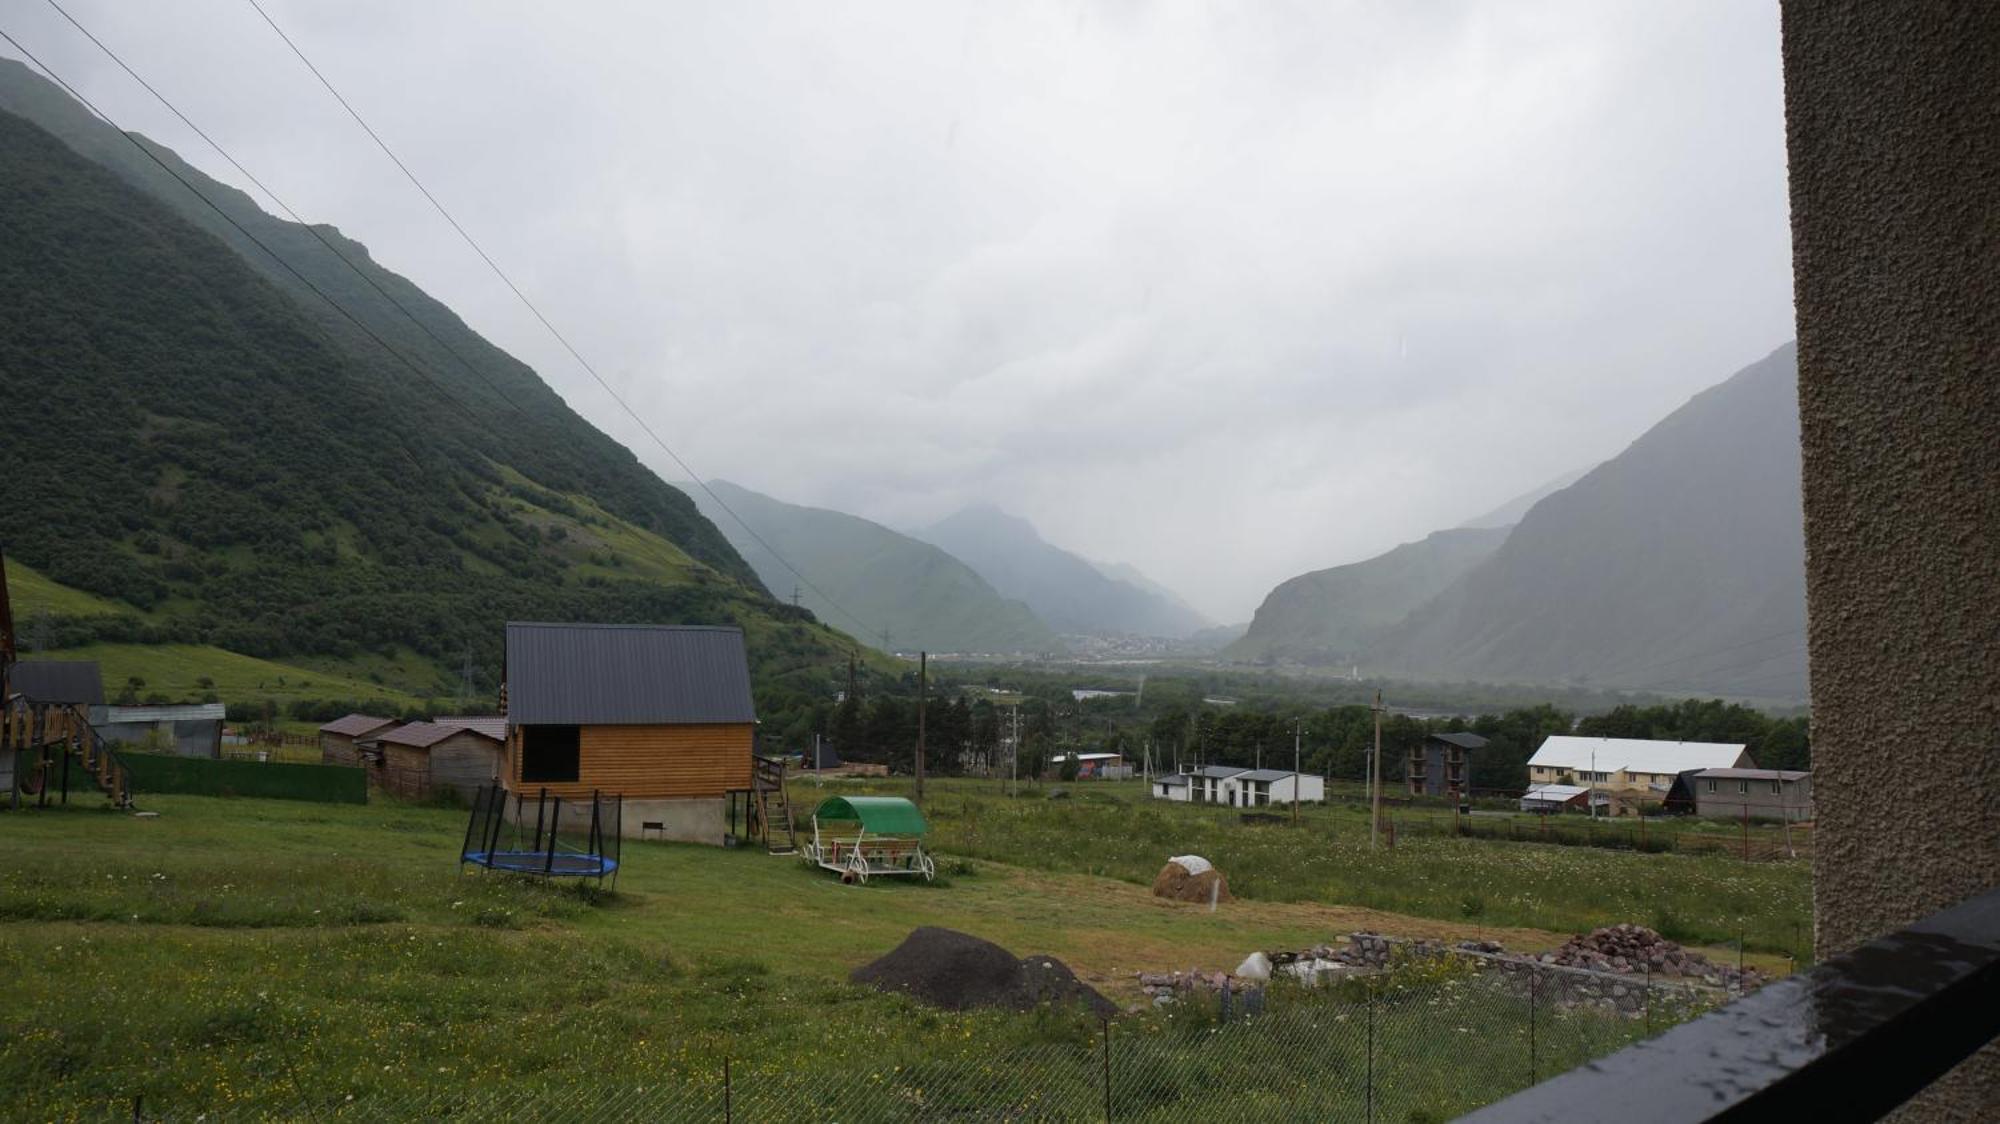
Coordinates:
926 864
857 865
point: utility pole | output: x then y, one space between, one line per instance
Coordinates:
1591 797
1014 751
465 676
885 643
1298 736
795 597
923 675
1375 779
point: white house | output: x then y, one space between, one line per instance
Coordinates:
1634 766
1240 788
1107 766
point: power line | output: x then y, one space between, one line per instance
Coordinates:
545 322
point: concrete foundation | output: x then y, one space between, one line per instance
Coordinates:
691 820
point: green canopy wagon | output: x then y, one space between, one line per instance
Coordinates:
859 837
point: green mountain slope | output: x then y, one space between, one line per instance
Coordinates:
183 438
1677 565
1064 589
924 597
1331 616
542 437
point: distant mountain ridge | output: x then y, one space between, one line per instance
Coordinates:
1677 565
1065 590
923 597
1332 616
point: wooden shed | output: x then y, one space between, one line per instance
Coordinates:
425 757
337 738
659 714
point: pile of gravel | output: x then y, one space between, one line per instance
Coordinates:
958 971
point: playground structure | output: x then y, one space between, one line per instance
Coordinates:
861 837
39 740
569 839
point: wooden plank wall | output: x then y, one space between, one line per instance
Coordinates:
651 761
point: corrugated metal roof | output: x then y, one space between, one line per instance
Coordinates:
626 675
1461 740
1753 774
1218 771
1635 755
58 681
355 725
174 712
1561 792
1175 779
1266 776
423 735
492 725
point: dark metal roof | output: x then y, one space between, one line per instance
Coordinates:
58 681
491 725
626 675
1462 741
355 725
1266 776
423 735
1218 771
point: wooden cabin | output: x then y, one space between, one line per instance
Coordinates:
660 715
423 758
337 738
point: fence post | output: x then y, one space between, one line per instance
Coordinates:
1534 978
137 1100
728 1110
1105 1028
1371 1052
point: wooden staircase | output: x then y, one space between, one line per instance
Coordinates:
770 807
42 737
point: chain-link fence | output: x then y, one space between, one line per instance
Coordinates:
1424 1042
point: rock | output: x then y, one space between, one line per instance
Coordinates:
1255 966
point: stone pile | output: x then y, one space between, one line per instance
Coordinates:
1635 949
1599 961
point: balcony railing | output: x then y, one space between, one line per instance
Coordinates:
1850 1039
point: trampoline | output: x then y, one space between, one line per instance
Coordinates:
576 838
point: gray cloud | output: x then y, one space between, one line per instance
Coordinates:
1230 291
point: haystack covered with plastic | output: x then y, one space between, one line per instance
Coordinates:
1191 878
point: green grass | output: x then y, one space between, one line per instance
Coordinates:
1113 830
33 594
268 959
177 671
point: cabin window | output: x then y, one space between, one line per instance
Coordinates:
549 754
1743 788
1776 789
1709 786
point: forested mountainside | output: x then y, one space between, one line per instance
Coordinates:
546 440
1067 591
924 598
181 436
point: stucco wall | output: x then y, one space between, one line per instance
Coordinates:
1893 136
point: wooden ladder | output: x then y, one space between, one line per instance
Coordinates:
769 806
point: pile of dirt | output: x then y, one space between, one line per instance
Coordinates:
1190 878
958 971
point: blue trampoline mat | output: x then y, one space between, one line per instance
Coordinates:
565 864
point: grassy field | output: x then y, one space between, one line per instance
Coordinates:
256 956
178 671
1112 829
33 594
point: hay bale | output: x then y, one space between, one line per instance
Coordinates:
1190 878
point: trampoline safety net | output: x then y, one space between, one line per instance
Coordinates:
542 835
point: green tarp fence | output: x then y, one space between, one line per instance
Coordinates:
201 776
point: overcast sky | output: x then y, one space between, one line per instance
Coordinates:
1229 291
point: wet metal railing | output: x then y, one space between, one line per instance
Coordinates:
1850 1039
